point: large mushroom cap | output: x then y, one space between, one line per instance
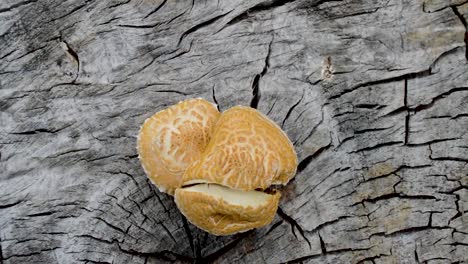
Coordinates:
247 151
173 138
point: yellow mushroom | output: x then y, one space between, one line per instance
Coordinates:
220 167
246 155
173 138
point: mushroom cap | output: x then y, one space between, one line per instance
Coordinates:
220 210
247 151
173 138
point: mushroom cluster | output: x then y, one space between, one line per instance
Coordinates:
220 167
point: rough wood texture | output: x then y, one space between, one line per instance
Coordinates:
373 93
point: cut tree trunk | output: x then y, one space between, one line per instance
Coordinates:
373 93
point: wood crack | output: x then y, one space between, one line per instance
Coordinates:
256 93
156 9
291 109
294 225
216 255
306 161
199 26
465 24
119 4
16 5
213 95
260 7
395 195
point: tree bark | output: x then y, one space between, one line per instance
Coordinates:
373 93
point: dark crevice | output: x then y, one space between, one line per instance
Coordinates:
395 195
119 4
180 53
111 225
98 239
322 244
450 159
19 4
4 206
168 232
354 14
174 18
260 7
371 259
272 106
383 81
256 94
65 153
442 8
36 131
291 109
463 20
29 52
448 116
409 230
314 128
305 162
393 172
8 54
188 232
416 256
431 142
153 189
139 26
156 9
85 260
199 26
131 177
42 214
31 254
363 131
407 117
70 12
322 225
213 94
407 109
328 253
320 2
386 144
108 22
457 206
216 255
273 227
369 106
163 255
438 97
293 224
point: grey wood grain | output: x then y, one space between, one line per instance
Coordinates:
373 93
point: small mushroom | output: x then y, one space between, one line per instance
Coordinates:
173 138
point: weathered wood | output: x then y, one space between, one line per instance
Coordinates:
373 93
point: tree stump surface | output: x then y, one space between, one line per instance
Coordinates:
373 93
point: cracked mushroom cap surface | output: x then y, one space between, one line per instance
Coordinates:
247 151
173 138
220 210
224 190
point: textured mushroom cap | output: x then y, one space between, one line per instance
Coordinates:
173 138
247 151
223 211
